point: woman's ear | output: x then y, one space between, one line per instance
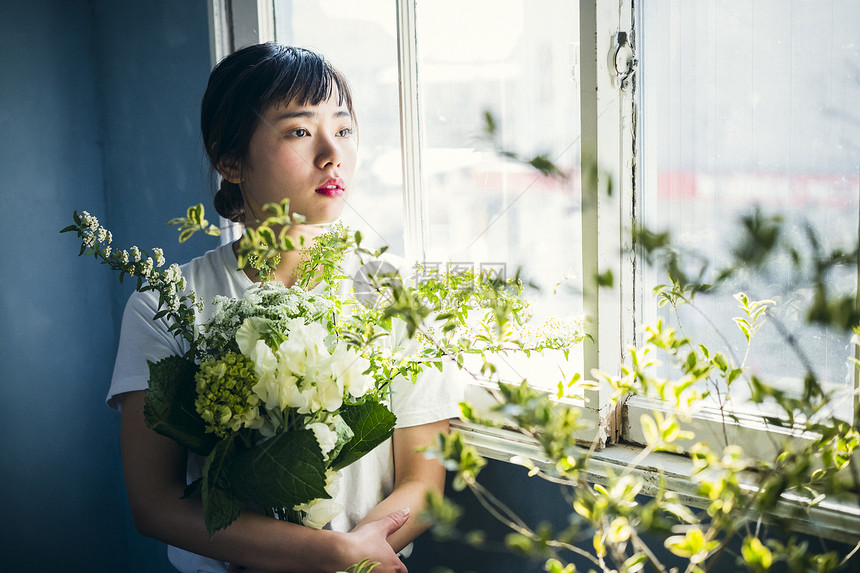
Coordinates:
230 170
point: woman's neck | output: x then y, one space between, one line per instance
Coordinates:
286 272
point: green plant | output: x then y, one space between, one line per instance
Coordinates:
609 522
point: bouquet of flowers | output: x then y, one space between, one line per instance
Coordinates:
282 388
279 390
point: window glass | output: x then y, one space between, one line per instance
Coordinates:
517 60
746 105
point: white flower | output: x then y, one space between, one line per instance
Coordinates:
291 394
321 511
348 367
325 394
88 221
326 437
304 347
292 356
147 268
312 335
135 253
124 257
249 333
159 256
173 274
101 234
265 366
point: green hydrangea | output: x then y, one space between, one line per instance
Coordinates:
225 399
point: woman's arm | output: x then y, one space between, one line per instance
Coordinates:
414 474
154 468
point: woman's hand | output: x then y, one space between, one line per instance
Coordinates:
370 541
366 542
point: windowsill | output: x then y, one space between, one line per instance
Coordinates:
829 520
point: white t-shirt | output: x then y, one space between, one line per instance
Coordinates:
362 485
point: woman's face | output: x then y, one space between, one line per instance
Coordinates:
304 153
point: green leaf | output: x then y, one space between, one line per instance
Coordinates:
169 404
220 506
69 228
604 279
372 423
281 472
545 165
267 236
756 554
635 563
519 544
489 123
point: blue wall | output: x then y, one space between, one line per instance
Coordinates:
98 111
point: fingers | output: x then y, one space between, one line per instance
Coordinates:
394 521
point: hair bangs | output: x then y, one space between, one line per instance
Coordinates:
306 78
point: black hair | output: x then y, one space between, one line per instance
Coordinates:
242 87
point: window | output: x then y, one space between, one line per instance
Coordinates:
422 82
733 105
742 106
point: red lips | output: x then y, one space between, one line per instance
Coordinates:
332 187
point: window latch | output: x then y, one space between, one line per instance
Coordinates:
624 61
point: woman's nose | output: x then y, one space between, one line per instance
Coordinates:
328 153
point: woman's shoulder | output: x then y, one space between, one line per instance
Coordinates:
215 272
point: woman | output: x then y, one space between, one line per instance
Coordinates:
277 122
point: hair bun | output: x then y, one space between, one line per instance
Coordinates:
229 202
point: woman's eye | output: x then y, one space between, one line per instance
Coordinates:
345 132
300 132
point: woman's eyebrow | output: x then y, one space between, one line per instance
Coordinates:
310 114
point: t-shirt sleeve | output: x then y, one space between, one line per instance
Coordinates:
141 340
434 396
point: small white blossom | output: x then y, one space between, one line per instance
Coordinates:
88 221
147 268
107 251
159 256
172 274
124 257
101 234
135 254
